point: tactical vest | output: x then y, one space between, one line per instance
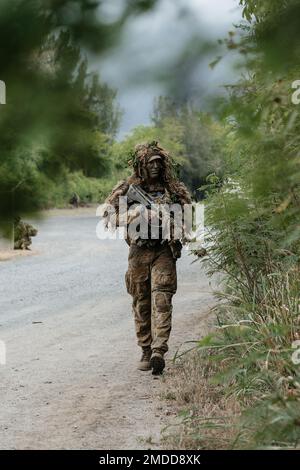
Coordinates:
159 197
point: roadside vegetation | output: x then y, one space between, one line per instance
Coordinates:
248 367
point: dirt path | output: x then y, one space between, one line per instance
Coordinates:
70 380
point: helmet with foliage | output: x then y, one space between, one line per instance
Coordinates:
142 154
139 157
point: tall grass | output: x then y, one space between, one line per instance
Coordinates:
258 318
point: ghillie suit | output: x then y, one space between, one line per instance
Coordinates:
151 278
22 234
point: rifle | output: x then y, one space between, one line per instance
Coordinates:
137 194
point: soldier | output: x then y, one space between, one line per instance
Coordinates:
75 200
151 278
22 234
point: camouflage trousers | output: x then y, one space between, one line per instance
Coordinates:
22 244
152 281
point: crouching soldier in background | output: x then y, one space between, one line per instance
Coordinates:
22 234
151 278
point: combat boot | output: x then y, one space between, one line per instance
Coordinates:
157 362
144 363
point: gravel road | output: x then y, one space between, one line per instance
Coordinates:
70 379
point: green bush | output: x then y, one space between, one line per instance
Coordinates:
254 237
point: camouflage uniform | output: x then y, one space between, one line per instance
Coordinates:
22 234
75 200
151 278
152 281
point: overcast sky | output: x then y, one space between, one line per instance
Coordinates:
153 41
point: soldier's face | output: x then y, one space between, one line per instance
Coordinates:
154 168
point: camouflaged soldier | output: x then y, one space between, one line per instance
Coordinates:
75 200
151 278
22 234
